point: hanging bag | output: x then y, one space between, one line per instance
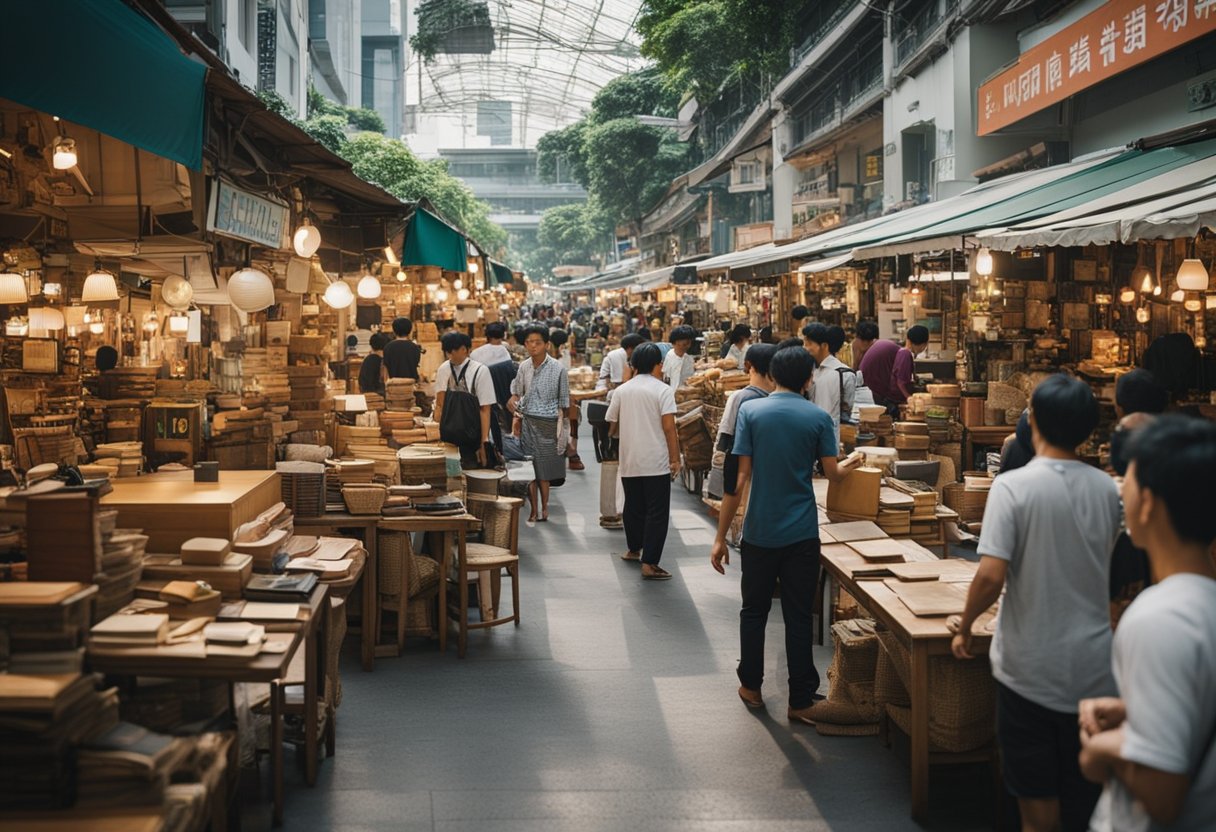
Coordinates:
460 423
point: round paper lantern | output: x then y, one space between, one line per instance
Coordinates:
250 290
177 292
402 277
307 240
12 288
983 262
339 295
98 287
462 294
369 287
1192 276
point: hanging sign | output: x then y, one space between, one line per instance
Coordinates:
1109 40
245 216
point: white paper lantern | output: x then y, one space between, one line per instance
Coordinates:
12 288
369 287
1192 276
177 292
462 294
402 277
339 295
307 240
98 287
983 262
46 319
250 290
63 153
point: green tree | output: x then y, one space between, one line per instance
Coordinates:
363 118
328 130
631 165
276 103
564 150
575 233
635 93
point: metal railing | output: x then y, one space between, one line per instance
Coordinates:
852 83
828 15
921 28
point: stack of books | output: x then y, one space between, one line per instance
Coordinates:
46 624
130 631
122 565
127 766
125 458
399 394
229 577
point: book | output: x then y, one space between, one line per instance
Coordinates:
270 611
47 662
228 578
281 587
121 630
330 568
233 632
205 551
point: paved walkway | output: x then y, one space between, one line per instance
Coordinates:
612 707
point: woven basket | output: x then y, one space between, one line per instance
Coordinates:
421 464
969 504
364 499
303 489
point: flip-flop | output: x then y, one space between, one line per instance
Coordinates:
661 575
633 556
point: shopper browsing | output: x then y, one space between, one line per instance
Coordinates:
1154 746
614 369
643 415
540 396
867 334
370 370
493 351
464 399
736 343
777 440
760 385
678 363
402 355
1046 540
833 385
888 367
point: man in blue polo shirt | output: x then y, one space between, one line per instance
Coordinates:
777 441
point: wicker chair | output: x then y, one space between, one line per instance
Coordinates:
485 561
400 568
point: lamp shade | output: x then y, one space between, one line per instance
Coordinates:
12 288
369 287
179 324
177 292
99 286
307 240
46 318
1178 296
1193 304
983 262
63 153
250 290
339 295
1192 276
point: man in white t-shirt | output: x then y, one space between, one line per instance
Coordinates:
643 415
460 372
833 384
1048 532
678 363
614 369
493 351
1155 746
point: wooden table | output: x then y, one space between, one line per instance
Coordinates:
171 507
924 636
983 436
452 529
369 626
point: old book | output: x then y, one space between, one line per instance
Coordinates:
281 587
229 578
130 630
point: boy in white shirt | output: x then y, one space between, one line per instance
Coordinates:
833 384
678 363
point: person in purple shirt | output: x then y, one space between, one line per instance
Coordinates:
886 367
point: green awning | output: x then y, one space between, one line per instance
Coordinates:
100 64
429 241
501 273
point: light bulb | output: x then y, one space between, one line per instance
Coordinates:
916 289
473 267
1142 314
63 153
458 284
1146 285
1127 295
97 327
401 276
339 295
479 283
1157 290
462 294
1193 304
368 287
1192 276
441 296
307 240
983 262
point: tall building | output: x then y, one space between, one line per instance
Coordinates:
335 49
382 85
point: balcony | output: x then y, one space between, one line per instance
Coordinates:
849 88
921 29
824 18
750 236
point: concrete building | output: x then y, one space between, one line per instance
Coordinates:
383 62
335 49
263 42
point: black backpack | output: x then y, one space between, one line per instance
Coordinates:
460 423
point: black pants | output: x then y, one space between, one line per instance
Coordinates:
797 565
646 515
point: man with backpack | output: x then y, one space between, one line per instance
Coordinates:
464 398
833 384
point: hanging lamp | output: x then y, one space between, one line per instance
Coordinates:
1192 276
339 295
307 239
368 287
63 153
12 288
99 286
983 262
176 292
251 290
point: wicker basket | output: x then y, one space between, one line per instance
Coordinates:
303 487
364 499
422 464
969 504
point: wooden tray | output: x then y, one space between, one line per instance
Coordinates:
882 550
930 598
848 532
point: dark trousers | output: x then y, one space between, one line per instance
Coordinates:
797 566
646 515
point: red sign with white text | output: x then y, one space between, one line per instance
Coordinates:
1109 40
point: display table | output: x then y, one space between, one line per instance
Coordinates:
369 625
924 636
171 507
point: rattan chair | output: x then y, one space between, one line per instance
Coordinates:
484 562
408 585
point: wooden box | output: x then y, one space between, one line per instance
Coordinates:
171 508
857 494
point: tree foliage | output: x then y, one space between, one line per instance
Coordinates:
359 118
576 233
328 130
564 151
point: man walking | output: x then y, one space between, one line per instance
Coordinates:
401 356
833 385
777 440
493 351
1046 539
540 397
464 401
643 415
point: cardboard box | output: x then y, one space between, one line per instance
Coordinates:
857 494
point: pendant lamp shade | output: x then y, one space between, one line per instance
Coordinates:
307 240
46 318
251 290
983 262
12 288
179 324
369 287
1192 276
98 287
339 295
177 292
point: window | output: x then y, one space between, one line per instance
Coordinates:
246 23
291 76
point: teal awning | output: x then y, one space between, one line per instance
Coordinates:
429 241
501 273
100 64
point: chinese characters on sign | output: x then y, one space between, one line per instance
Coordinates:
1114 38
246 216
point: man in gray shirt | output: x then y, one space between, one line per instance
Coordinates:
1153 746
1048 531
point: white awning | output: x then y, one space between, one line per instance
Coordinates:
816 266
658 278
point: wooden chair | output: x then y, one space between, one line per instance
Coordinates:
484 562
408 585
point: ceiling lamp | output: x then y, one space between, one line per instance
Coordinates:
1127 295
307 239
1192 276
1142 314
12 288
179 324
441 296
63 153
97 327
1178 296
339 295
251 290
401 276
368 287
176 292
462 294
1193 304
98 287
473 267
983 262
46 318
458 284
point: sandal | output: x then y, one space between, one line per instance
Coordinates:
657 575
